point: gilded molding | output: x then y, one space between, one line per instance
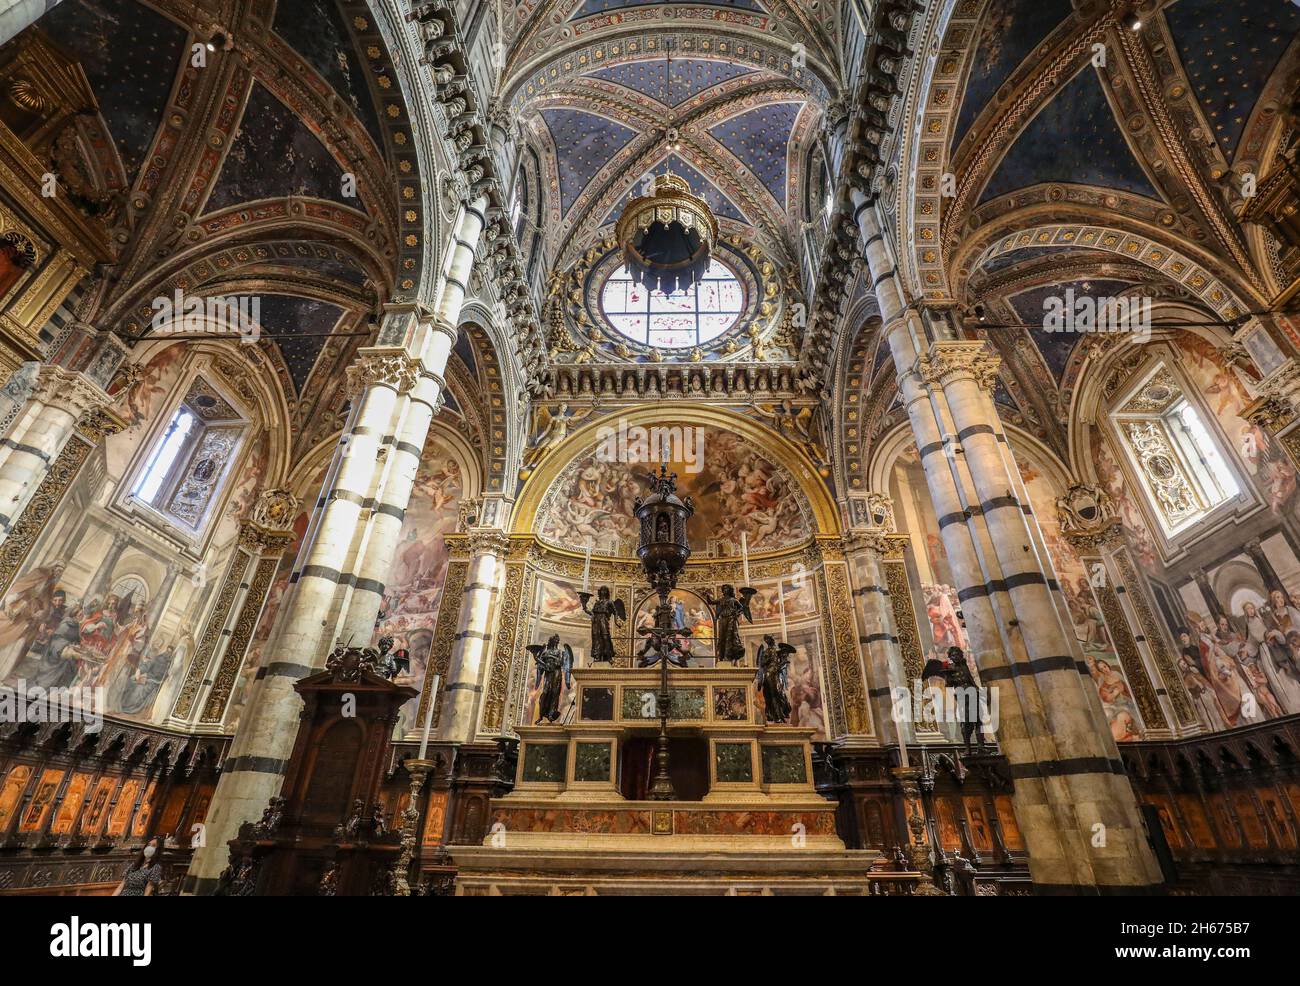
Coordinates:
494 699
444 637
214 709
189 692
900 597
1127 650
845 641
1155 640
30 523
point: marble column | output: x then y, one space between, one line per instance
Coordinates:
1074 805
37 433
462 691
865 552
18 15
337 586
103 577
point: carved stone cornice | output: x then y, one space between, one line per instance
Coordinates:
948 361
377 368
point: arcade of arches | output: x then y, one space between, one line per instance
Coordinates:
318 331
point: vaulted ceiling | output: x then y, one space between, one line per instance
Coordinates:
592 83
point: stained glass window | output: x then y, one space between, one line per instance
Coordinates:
687 318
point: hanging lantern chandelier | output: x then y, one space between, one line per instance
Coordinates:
667 237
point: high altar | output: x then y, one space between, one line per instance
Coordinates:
654 776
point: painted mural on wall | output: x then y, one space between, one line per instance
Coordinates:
1236 621
736 490
102 602
413 592
1090 629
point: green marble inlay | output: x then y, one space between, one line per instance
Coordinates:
545 762
784 765
734 763
642 703
591 762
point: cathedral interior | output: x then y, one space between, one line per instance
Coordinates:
613 447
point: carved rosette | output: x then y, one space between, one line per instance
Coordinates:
948 361
396 370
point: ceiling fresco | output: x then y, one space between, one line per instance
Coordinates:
1076 139
315 28
601 6
130 54
690 77
1011 29
760 138
1056 347
701 186
1229 48
583 143
274 154
291 319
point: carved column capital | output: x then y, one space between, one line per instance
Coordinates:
489 543
949 360
99 423
382 368
68 390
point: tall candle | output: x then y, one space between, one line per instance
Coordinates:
428 715
744 554
780 595
586 568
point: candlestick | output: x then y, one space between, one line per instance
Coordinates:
586 568
428 715
744 554
780 595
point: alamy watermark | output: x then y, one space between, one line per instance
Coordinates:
237 315
634 444
953 703
33 703
1087 313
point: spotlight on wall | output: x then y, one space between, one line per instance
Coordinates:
1131 21
980 314
220 39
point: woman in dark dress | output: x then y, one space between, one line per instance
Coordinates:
145 875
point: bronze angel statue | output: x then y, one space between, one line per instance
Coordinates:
727 612
773 677
601 612
554 672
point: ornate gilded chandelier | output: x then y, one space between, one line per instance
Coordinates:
667 237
